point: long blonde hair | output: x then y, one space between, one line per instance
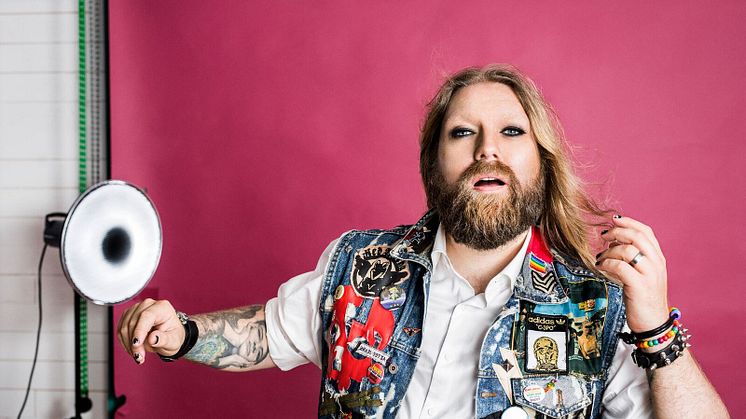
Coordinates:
570 214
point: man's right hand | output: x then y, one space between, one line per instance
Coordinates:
150 326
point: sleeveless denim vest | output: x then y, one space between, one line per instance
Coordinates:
548 351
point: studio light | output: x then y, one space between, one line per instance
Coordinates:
110 241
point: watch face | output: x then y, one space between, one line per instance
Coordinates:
183 318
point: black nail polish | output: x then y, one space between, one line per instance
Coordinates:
598 263
598 255
156 340
617 216
136 355
604 232
135 341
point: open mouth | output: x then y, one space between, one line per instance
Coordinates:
489 181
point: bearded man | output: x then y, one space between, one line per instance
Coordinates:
438 319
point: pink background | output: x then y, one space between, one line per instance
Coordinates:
263 130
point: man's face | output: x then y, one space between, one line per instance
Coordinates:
487 185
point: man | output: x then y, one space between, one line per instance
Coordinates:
469 312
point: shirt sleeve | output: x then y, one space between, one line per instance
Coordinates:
627 393
293 318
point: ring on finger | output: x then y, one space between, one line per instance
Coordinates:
635 260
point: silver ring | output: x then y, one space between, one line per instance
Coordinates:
635 260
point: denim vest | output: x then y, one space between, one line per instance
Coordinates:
548 351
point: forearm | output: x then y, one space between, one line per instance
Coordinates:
681 390
232 340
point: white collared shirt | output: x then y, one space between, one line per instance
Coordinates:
444 381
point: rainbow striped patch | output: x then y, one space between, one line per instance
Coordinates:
537 264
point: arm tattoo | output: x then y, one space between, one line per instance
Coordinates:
231 339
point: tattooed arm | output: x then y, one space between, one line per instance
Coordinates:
231 340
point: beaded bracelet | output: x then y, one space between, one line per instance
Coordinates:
657 341
635 337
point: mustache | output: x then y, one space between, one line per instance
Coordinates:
481 167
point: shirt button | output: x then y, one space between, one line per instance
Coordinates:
431 411
446 357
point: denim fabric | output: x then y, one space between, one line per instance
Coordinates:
371 344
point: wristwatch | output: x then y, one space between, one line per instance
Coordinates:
191 333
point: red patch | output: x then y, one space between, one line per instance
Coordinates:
538 247
343 366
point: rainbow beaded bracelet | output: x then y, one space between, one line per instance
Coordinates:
633 338
649 343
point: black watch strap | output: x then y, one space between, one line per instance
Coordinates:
191 334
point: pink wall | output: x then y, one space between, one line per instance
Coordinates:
263 130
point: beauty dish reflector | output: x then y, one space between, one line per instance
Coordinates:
110 242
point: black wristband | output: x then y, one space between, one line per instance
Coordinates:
634 337
190 339
664 357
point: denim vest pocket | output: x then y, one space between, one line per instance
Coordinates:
555 396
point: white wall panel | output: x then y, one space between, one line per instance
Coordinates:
39 58
49 375
10 403
38 175
38 130
35 202
39 27
37 6
53 87
55 346
57 318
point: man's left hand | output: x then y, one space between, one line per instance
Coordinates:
634 258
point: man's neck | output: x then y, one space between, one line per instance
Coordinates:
478 267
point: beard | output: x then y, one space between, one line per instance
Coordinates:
486 221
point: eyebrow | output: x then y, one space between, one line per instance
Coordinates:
511 119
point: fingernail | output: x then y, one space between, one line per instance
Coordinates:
156 340
135 341
598 255
598 263
604 232
617 216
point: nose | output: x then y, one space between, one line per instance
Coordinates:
487 148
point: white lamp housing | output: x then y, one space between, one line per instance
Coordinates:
110 242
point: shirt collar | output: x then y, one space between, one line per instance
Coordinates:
512 269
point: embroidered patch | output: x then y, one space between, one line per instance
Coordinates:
545 282
537 264
546 343
374 270
350 341
411 331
